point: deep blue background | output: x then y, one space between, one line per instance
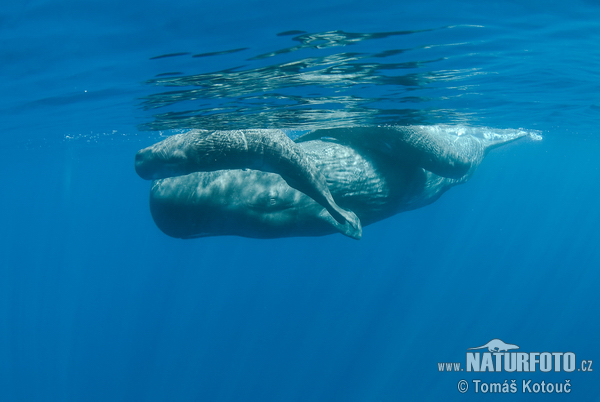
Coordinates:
96 304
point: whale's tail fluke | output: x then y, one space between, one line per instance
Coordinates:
495 137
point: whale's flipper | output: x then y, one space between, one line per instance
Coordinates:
448 151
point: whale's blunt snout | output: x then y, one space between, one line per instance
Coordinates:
142 167
155 163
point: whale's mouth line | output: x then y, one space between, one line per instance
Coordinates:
272 207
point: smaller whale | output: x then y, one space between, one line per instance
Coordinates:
264 150
496 345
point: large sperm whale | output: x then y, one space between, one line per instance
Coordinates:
375 172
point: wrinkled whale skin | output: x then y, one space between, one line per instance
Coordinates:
375 172
258 204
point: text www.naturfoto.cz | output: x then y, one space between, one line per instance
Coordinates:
448 366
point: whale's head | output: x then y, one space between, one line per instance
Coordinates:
163 159
182 154
238 202
151 164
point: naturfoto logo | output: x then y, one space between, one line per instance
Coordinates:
499 356
499 359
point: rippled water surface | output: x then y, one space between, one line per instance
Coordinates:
510 65
456 73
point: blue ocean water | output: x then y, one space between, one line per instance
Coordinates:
97 304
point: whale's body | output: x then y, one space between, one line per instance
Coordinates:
373 172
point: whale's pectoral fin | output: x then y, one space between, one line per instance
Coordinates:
343 220
351 227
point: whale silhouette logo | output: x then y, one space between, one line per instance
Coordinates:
496 345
